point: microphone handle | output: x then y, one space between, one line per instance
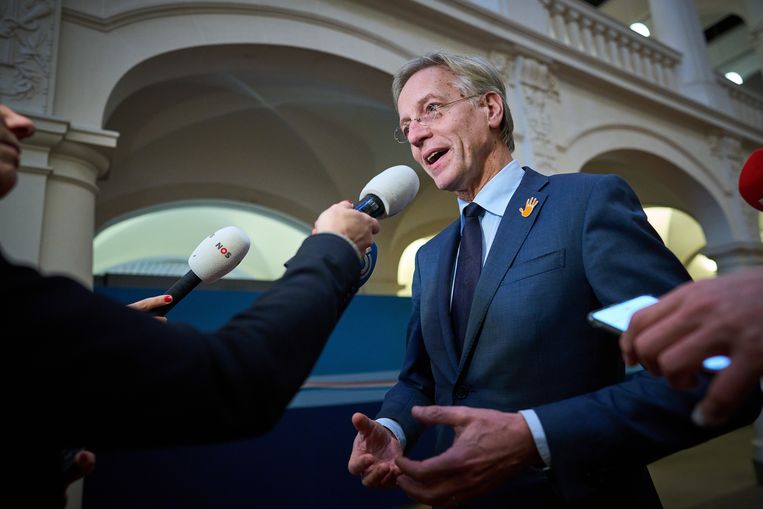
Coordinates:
180 289
371 205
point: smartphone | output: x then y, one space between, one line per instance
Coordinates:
615 318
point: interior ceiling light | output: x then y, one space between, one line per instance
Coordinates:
735 77
640 28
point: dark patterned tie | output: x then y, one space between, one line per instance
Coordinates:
468 270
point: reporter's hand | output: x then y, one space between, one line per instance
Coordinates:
13 129
373 453
356 226
84 463
150 303
490 447
697 320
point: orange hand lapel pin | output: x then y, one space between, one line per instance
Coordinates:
529 206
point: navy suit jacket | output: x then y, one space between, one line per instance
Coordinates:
85 370
528 344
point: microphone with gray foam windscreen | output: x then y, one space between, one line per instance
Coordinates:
385 195
389 192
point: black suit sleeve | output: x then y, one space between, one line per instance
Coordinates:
110 376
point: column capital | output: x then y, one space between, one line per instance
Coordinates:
59 138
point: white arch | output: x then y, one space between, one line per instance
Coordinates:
115 43
588 144
696 188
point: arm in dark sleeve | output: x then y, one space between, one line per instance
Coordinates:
415 385
109 375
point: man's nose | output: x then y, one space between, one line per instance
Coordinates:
417 132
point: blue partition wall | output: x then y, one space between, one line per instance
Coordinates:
303 461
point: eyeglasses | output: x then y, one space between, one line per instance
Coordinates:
431 114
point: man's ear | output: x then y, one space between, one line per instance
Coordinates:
495 109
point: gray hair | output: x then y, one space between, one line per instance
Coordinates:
475 76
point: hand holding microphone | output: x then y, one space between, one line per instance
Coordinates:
342 219
214 257
385 195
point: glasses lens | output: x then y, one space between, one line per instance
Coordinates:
431 114
400 137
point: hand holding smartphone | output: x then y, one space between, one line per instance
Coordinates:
617 317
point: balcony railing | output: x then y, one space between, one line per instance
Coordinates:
747 107
582 27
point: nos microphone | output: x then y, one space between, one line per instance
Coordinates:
385 195
751 180
217 255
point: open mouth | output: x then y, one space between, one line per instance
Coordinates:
435 156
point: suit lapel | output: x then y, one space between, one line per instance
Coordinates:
508 240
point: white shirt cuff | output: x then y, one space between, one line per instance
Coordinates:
539 436
395 428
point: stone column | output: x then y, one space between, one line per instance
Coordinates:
66 244
676 23
48 220
532 91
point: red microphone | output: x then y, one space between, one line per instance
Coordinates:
751 180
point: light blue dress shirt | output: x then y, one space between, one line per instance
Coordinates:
494 197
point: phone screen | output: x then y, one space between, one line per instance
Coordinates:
616 318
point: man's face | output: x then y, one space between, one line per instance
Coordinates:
454 147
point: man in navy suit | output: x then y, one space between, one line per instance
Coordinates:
531 403
82 369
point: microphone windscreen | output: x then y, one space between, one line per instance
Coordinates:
396 187
219 253
751 179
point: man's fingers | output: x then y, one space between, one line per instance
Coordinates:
680 361
375 226
643 320
363 424
660 335
446 464
726 392
359 464
439 493
374 476
435 414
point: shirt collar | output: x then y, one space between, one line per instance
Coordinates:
495 195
